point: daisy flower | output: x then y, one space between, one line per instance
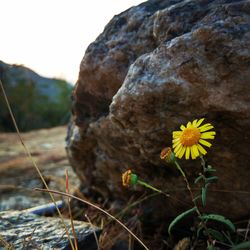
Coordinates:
191 139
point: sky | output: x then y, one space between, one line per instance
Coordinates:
51 36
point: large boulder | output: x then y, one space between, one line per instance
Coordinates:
157 66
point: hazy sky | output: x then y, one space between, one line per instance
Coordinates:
51 36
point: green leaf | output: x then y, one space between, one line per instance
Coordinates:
219 218
211 247
204 194
180 217
216 235
244 245
228 237
199 231
201 177
210 169
211 179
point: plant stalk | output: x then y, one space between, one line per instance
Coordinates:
193 199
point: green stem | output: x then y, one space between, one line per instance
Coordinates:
142 183
180 169
203 163
186 180
192 197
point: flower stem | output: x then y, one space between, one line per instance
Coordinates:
193 199
142 183
203 163
179 168
186 180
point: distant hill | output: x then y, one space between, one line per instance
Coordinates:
37 102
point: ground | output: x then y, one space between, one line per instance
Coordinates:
18 177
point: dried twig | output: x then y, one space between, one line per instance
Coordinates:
96 207
96 238
246 234
5 243
70 213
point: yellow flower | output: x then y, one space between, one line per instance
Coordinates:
190 139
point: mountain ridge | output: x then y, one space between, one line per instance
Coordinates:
37 101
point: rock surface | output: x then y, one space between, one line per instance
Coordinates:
29 231
157 66
37 102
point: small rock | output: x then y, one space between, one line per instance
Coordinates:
30 231
47 146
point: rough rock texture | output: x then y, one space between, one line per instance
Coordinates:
156 66
29 231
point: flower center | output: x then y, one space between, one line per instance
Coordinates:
190 136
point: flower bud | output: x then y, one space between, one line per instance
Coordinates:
167 155
128 178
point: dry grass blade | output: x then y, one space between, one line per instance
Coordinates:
70 213
128 207
5 243
130 243
96 207
33 161
96 238
247 230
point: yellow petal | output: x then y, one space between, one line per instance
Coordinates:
175 140
205 143
182 127
207 135
176 134
178 151
187 154
205 128
177 148
176 144
182 152
189 124
206 124
194 122
192 154
211 132
195 149
199 122
201 149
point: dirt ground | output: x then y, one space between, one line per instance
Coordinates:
18 177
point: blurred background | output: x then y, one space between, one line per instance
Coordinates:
42 44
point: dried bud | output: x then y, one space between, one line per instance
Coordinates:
128 178
167 155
